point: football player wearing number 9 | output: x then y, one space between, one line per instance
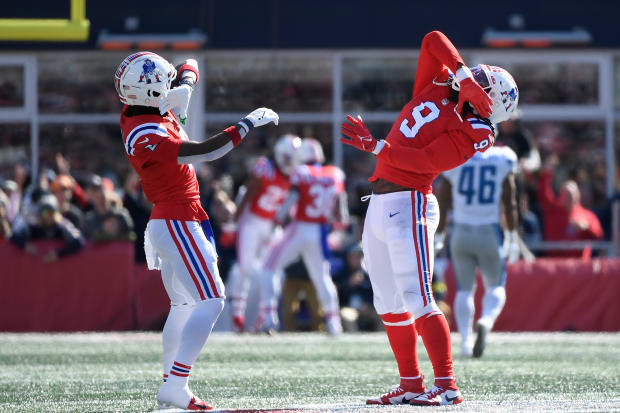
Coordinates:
447 120
178 238
477 190
318 193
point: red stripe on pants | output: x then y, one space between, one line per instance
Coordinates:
201 259
187 265
417 249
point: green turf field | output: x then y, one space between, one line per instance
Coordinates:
302 372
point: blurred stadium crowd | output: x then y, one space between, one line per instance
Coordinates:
87 193
79 206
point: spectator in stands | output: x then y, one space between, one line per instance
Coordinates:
11 190
139 209
513 134
46 222
5 226
530 224
62 188
108 220
355 292
564 217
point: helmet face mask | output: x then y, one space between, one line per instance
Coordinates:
143 79
502 89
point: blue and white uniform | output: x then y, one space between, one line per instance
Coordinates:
476 240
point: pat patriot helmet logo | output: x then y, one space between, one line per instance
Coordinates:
509 97
150 71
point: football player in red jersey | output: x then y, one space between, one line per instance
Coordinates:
178 238
448 119
265 193
317 192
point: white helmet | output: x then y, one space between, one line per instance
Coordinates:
310 151
502 89
143 79
285 151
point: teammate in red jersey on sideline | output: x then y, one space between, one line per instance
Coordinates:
178 238
317 191
264 195
448 119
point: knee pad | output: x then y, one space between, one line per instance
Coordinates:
215 305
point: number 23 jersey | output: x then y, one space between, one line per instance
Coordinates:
428 121
274 188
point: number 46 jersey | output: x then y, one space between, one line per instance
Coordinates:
477 186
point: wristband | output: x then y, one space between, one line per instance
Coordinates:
463 73
188 68
234 135
245 124
379 147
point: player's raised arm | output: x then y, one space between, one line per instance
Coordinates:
438 53
219 145
445 152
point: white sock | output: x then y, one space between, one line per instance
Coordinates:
171 335
492 305
464 314
193 338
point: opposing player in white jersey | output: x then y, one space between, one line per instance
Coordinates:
178 238
318 193
478 189
265 193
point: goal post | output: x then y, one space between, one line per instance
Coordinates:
75 29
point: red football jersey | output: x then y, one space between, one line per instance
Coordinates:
273 190
429 137
152 145
319 187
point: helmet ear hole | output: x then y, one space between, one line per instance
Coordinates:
156 94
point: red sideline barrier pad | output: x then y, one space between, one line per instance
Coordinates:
152 302
102 289
556 295
89 291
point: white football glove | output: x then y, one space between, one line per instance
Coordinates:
262 116
177 99
511 246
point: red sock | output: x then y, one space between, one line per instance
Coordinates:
403 338
435 333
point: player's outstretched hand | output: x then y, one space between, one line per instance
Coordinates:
473 93
177 98
262 116
359 135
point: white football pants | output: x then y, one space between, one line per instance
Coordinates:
185 253
254 234
308 240
471 247
188 259
398 251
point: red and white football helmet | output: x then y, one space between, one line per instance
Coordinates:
285 151
143 78
310 151
502 89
